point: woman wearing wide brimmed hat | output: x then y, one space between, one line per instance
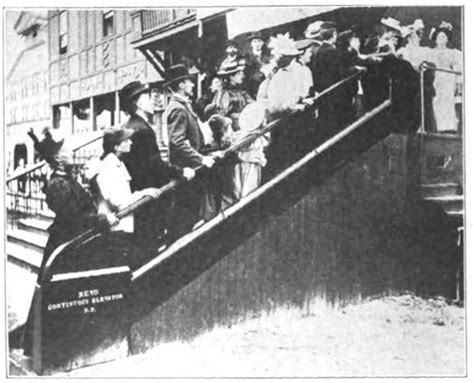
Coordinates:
412 51
390 40
281 91
447 85
234 98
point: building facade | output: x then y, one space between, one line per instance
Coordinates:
90 59
27 90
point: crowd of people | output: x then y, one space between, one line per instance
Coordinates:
246 91
276 78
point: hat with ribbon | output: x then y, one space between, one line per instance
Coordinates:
302 44
313 30
409 29
392 23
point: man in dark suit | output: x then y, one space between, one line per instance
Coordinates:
144 162
328 68
186 142
253 63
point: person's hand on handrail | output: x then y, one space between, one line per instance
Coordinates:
218 154
188 174
300 107
150 192
208 161
360 68
111 218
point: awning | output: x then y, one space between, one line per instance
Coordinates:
245 20
205 13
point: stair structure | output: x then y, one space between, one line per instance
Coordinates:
24 250
441 173
331 226
449 196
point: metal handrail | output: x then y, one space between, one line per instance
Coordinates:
39 165
426 67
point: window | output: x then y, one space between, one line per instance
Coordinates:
108 23
63 35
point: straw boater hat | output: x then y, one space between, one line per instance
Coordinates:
302 44
409 29
313 31
177 73
392 24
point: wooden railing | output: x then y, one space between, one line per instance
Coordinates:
24 194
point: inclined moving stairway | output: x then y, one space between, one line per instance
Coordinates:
291 214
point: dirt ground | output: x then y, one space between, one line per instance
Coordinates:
389 337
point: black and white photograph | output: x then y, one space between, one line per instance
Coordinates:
235 191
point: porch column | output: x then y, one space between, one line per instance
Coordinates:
117 108
93 116
71 108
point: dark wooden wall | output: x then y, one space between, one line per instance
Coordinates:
350 235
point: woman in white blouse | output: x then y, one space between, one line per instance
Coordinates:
113 179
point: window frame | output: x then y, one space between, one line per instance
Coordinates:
107 16
63 34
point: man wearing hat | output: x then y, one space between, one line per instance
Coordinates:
144 162
186 142
254 61
231 51
328 68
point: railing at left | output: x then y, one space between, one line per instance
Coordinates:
24 188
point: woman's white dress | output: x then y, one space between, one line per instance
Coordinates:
445 87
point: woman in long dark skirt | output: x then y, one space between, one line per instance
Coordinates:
74 213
